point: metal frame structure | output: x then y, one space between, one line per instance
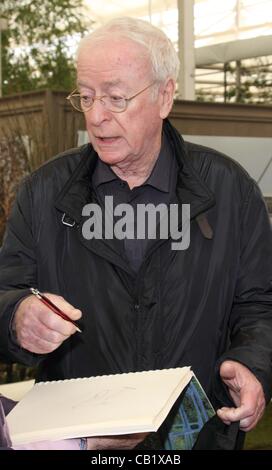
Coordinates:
203 45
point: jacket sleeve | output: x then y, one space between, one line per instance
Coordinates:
17 273
251 316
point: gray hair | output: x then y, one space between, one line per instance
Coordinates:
163 57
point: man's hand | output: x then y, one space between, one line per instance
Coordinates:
247 394
38 329
124 442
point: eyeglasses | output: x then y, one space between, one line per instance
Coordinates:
115 104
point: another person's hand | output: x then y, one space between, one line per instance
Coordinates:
247 394
38 329
124 442
64 444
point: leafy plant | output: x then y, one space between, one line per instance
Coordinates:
14 165
38 44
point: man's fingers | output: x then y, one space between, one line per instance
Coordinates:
49 320
56 323
248 418
234 414
57 334
37 344
62 304
40 330
247 394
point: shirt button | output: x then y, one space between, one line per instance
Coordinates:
136 306
122 184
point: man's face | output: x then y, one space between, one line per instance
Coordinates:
119 68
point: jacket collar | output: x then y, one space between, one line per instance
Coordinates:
77 190
191 189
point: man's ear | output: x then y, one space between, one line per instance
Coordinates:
167 92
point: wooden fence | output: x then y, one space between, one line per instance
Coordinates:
47 117
52 126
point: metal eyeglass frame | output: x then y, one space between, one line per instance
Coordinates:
100 98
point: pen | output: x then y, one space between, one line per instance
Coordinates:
46 301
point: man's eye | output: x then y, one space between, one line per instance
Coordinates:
116 99
86 99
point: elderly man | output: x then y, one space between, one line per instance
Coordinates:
144 304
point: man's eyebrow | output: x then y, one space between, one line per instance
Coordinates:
109 83
106 84
82 84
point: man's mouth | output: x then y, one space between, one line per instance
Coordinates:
107 140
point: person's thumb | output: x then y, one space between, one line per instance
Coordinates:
227 370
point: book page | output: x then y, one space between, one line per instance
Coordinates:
95 406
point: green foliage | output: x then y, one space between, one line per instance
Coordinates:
260 438
37 43
255 83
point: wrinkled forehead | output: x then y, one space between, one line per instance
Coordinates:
117 54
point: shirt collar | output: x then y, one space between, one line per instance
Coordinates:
102 174
160 175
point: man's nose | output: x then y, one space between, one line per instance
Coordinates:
98 113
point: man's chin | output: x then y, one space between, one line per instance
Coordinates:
111 158
109 153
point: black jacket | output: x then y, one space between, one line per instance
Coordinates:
196 307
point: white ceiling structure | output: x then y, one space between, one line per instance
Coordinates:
214 21
233 50
162 13
221 31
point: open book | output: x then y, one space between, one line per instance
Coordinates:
97 406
